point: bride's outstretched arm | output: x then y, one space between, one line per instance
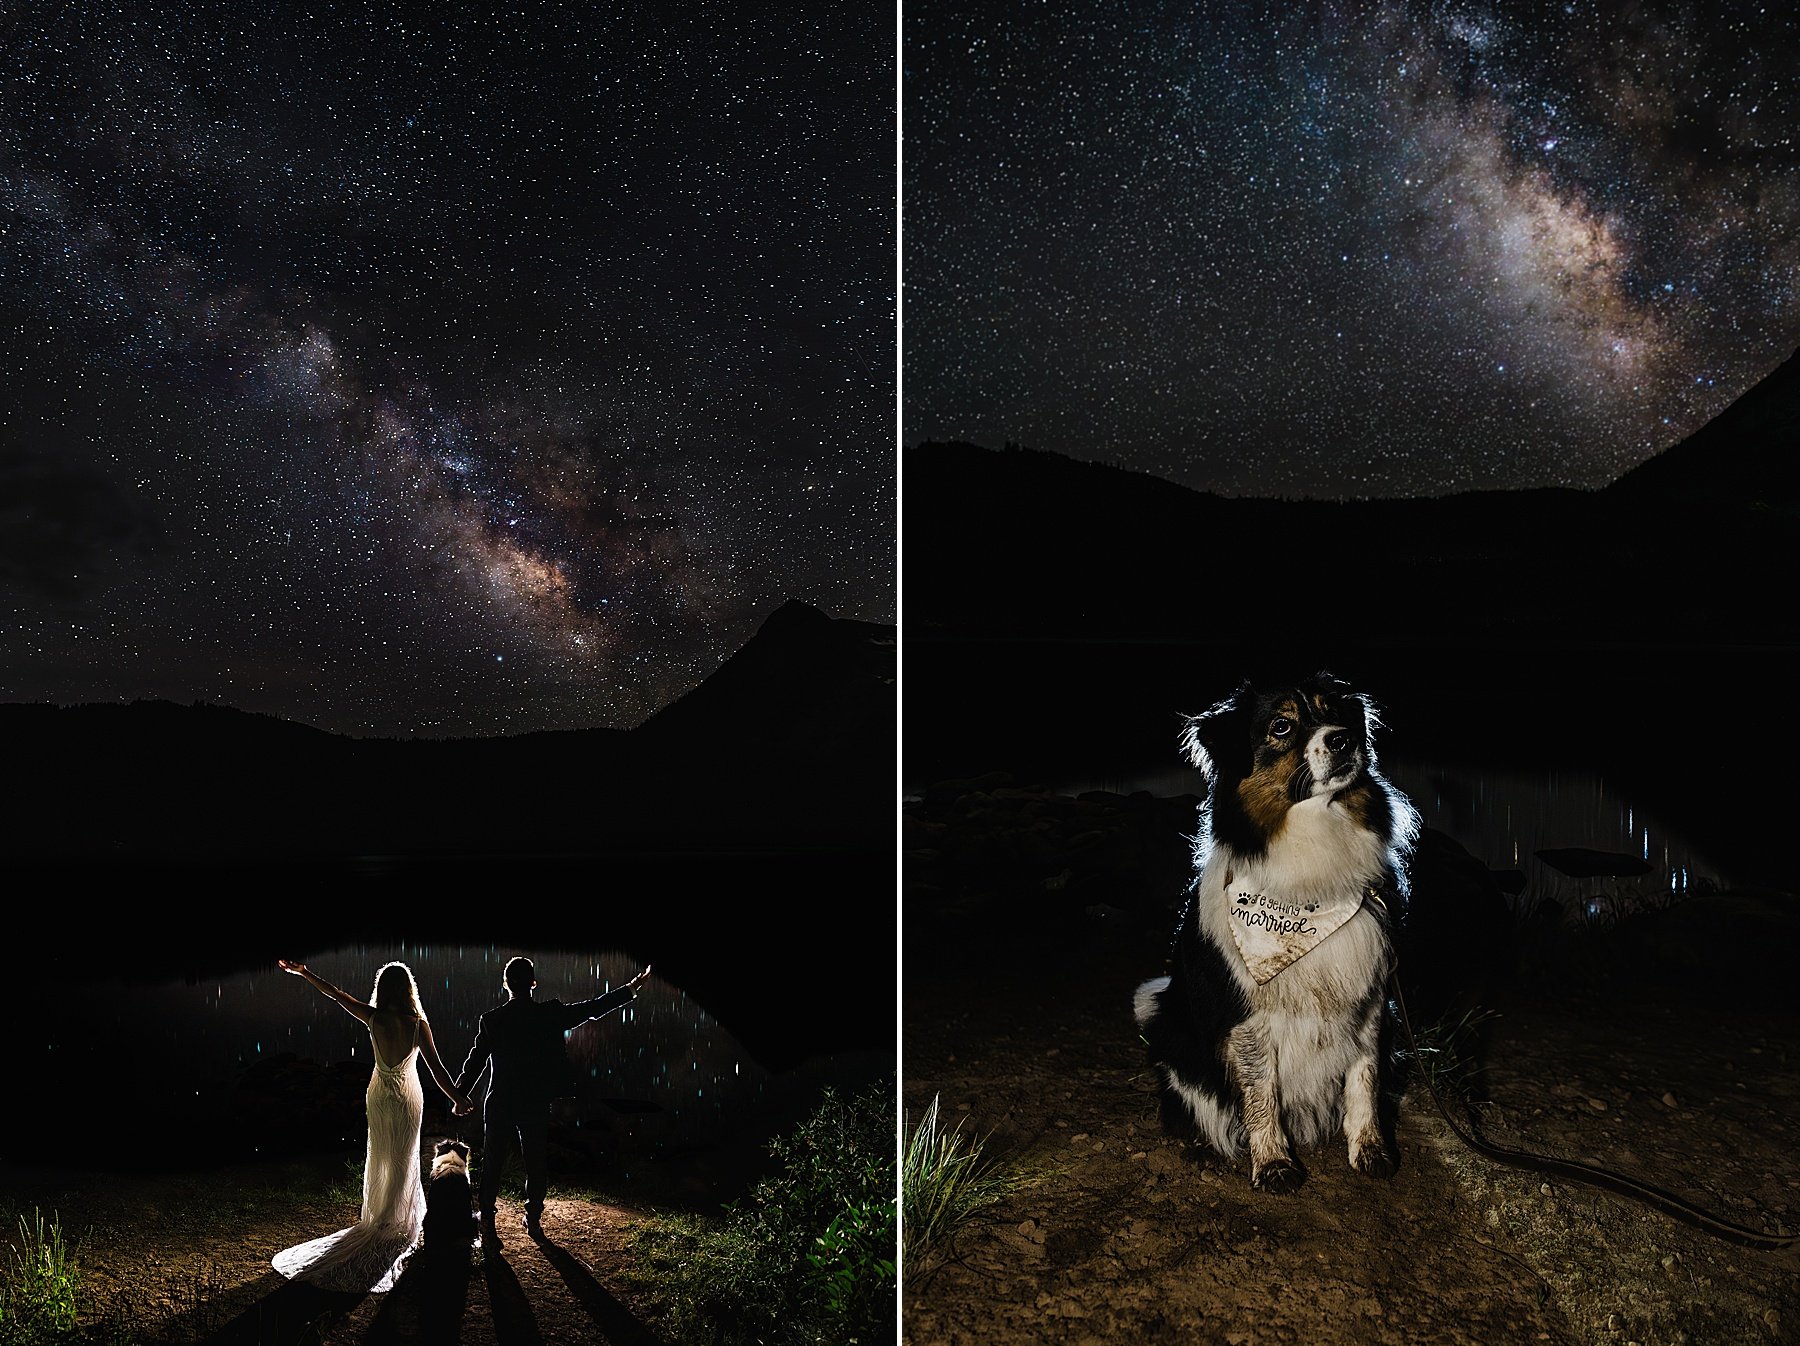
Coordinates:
428 1050
350 1003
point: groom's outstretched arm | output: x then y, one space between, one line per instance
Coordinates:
583 1010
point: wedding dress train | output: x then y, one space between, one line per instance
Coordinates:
368 1256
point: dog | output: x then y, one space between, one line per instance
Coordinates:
449 1227
1269 1031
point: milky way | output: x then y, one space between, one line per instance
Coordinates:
1376 250
407 374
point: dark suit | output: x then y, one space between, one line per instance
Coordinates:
520 1046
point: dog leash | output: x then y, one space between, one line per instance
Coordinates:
1576 1171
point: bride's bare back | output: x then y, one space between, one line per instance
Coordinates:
395 1033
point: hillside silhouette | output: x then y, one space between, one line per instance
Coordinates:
788 746
1025 542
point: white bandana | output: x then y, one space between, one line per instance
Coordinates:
1274 932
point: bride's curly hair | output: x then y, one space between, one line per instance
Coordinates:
395 989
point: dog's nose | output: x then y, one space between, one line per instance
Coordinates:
1338 741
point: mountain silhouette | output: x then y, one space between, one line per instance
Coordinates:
805 687
1744 455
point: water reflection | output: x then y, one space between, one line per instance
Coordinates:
661 1051
663 1064
1503 818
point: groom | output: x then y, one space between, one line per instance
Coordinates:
519 1045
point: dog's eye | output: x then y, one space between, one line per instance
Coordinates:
1280 726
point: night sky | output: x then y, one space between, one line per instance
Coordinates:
437 371
1381 249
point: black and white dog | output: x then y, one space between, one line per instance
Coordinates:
1268 1030
449 1227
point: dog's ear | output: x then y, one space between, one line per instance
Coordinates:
1204 736
1191 747
1371 713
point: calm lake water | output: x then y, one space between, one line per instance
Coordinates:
168 1060
1545 736
662 1050
1504 817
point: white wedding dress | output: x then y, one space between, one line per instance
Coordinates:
368 1256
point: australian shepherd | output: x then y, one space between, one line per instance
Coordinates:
1267 1033
449 1227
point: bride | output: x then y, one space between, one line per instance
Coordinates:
367 1256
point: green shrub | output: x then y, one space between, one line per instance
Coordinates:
807 1258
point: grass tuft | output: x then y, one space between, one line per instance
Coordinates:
41 1289
947 1178
1448 1055
348 1185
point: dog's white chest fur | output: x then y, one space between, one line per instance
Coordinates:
1320 852
1321 860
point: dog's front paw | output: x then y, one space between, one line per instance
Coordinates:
1279 1176
1373 1161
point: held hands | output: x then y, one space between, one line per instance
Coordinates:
461 1107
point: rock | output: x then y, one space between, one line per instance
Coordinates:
953 789
1457 935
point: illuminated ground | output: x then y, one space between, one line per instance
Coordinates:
1017 1018
187 1260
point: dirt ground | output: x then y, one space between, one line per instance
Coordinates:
1641 1052
179 1253
192 1268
